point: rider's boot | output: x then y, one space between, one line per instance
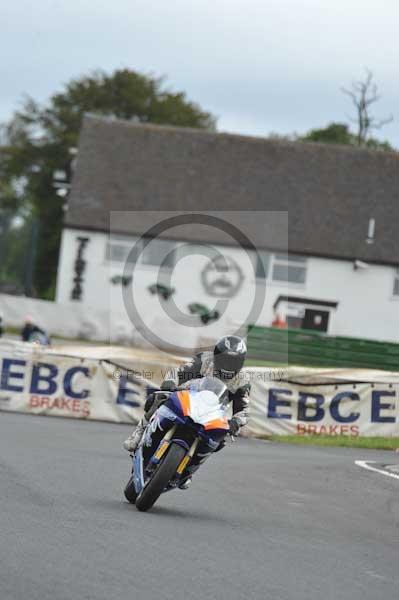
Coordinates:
134 439
185 483
187 479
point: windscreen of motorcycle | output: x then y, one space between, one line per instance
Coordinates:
210 384
206 399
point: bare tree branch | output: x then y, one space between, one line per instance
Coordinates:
363 94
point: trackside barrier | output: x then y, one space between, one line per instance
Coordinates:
302 347
350 402
64 320
74 320
84 382
111 384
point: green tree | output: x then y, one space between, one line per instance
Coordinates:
9 204
39 139
363 94
15 243
335 133
339 133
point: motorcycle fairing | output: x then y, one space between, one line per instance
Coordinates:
138 475
200 407
198 412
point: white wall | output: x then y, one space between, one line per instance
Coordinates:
100 293
366 306
65 320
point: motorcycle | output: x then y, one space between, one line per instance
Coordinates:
188 426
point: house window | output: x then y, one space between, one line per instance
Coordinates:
396 283
118 249
191 250
289 268
160 252
262 264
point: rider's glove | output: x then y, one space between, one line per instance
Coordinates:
234 426
149 402
168 386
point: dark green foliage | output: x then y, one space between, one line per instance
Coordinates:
339 133
40 140
14 243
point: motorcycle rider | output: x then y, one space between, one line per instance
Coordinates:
225 363
30 329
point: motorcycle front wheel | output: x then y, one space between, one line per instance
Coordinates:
164 473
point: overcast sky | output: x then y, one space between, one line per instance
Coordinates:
260 66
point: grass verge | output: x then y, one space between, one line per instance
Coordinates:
372 443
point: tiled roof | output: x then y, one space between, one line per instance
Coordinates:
330 192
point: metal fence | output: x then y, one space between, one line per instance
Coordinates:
303 347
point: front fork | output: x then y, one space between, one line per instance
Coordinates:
187 459
164 445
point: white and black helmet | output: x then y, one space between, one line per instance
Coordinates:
229 356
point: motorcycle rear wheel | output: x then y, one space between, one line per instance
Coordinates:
161 478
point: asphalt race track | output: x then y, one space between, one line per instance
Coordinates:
261 521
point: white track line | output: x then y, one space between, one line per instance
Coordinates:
365 465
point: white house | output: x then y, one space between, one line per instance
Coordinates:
317 232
